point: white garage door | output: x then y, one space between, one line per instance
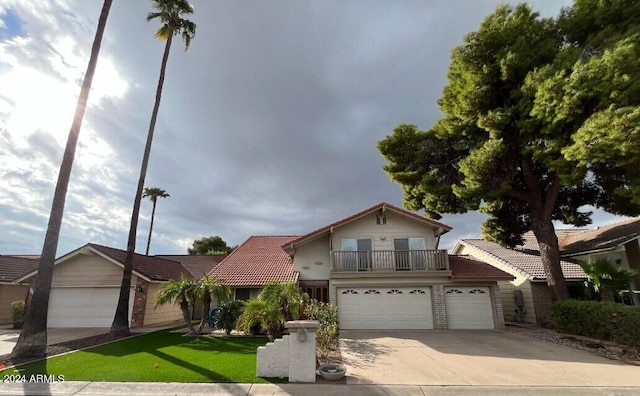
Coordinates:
84 306
385 308
469 308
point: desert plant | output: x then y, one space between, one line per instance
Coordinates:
327 315
277 303
205 290
18 312
606 279
182 292
228 315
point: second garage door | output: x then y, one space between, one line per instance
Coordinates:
385 308
84 306
469 308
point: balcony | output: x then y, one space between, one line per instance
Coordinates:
389 260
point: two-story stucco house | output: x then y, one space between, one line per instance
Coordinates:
381 267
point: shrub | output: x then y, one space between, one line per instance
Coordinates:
627 325
18 309
602 320
228 315
327 315
277 303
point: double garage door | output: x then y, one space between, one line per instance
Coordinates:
84 306
411 308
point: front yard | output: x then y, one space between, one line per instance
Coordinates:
157 357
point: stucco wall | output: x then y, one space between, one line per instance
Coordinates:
382 235
162 314
9 294
312 260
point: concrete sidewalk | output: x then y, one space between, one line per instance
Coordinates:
162 389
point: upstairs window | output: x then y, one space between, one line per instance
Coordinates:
356 254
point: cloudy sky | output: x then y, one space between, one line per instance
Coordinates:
268 124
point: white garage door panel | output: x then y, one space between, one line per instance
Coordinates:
83 306
469 308
385 308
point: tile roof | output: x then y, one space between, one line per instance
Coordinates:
367 211
154 268
530 243
258 260
601 238
583 240
198 264
526 264
468 267
15 267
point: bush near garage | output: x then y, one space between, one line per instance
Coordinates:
601 320
327 315
18 313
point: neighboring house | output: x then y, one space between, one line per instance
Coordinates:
381 267
617 242
13 268
86 286
527 297
198 265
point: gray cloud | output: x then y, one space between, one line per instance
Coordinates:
268 124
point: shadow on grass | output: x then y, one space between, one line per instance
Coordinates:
209 359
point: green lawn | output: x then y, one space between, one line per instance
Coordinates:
178 358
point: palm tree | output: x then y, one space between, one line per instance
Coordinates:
277 303
182 292
607 279
206 289
33 337
170 13
153 193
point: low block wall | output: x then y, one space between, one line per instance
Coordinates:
293 356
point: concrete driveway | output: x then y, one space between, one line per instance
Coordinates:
9 337
485 358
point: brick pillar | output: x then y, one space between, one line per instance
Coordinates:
439 307
333 295
497 303
139 304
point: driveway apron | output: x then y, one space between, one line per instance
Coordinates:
470 357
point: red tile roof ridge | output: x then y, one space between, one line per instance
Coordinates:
366 212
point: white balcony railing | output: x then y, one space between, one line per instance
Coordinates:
390 260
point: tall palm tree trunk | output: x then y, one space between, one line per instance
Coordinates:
33 337
120 325
153 215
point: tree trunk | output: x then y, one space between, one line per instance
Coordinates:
550 256
120 325
33 337
206 309
153 215
186 315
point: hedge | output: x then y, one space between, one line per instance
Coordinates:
601 320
